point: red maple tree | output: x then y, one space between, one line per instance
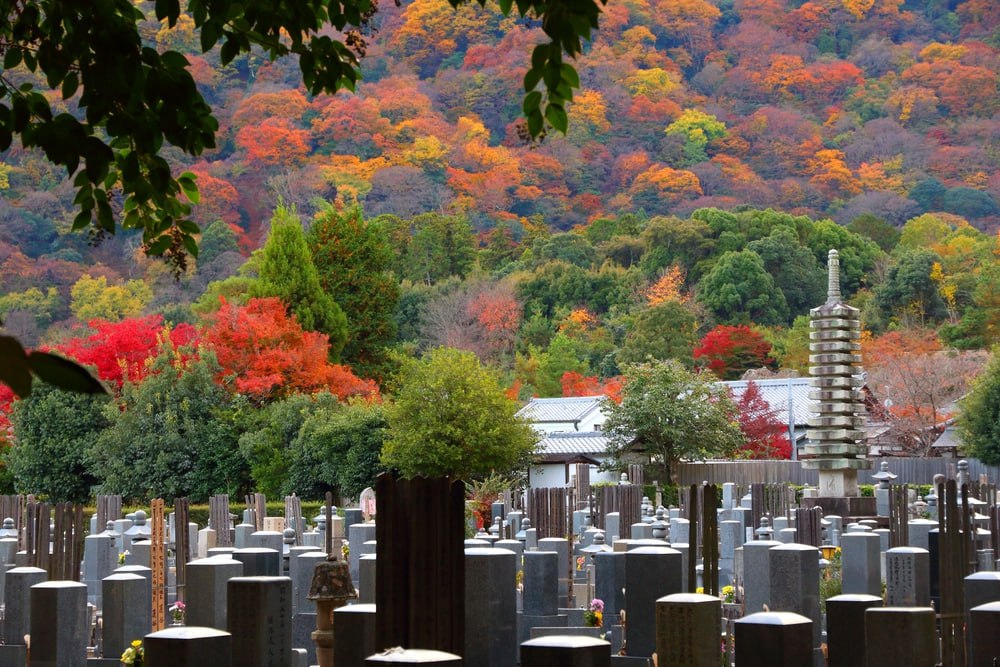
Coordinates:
265 353
728 350
576 384
766 437
119 350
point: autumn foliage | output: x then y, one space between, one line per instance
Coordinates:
575 384
766 436
265 354
120 351
728 350
909 372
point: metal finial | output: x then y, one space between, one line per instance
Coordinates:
833 277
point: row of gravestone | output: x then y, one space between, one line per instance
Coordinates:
259 615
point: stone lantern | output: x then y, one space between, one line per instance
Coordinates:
331 588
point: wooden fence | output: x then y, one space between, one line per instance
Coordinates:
909 471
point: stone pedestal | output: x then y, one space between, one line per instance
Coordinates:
772 638
188 646
687 630
566 651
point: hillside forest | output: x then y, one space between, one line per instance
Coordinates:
716 151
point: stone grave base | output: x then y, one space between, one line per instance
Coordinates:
13 654
103 662
630 661
574 615
526 623
852 507
542 631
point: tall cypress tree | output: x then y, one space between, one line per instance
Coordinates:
352 256
288 272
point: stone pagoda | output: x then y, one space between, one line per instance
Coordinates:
835 439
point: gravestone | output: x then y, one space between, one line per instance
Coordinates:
259 617
609 582
490 608
188 646
900 636
918 530
907 577
207 539
512 545
99 558
612 526
687 630
540 594
266 539
541 586
307 563
794 582
560 546
17 602
650 574
259 561
981 588
757 574
242 533
207 586
366 583
862 569
680 530
60 627
984 635
354 634
301 576
731 536
357 535
845 628
127 612
770 639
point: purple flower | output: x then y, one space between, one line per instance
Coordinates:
597 605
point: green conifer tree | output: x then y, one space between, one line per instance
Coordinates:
287 271
353 256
